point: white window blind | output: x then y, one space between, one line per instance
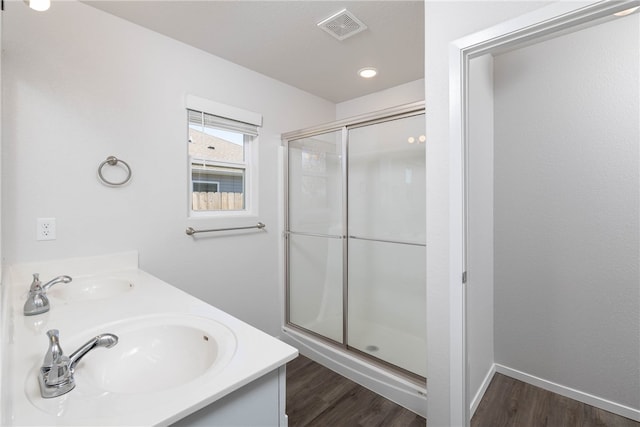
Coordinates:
199 118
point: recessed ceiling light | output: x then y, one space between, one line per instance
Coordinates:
39 5
627 11
367 72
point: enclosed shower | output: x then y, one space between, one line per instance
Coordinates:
355 243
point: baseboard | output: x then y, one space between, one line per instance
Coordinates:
589 399
482 390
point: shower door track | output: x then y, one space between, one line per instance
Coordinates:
412 377
402 111
395 113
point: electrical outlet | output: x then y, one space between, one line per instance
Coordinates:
46 229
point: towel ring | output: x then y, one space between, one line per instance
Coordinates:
112 161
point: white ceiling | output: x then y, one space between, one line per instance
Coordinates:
281 40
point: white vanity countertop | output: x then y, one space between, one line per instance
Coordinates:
80 318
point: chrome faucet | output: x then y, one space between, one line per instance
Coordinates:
37 301
56 373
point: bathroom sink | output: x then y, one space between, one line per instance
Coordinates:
89 288
154 354
157 354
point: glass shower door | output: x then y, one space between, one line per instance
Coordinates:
386 245
314 236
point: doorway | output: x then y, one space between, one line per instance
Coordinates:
556 242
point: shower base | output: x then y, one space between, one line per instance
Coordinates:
396 347
406 392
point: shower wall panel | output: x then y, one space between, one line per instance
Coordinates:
386 214
387 180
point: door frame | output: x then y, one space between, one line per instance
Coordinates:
536 26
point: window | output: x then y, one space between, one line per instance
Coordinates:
220 160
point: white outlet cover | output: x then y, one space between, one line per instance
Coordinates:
46 229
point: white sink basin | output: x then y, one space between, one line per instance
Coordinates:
90 288
158 354
154 354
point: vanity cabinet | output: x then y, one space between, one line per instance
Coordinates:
261 403
178 361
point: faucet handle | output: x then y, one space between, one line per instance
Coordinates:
54 354
55 370
35 283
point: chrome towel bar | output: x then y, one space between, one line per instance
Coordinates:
190 231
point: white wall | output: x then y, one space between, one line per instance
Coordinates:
397 95
80 85
567 232
444 23
3 307
1 175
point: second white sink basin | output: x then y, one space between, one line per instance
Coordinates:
90 288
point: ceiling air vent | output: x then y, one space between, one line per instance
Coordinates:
342 25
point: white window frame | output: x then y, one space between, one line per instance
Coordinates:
202 218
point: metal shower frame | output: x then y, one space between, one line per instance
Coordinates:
395 113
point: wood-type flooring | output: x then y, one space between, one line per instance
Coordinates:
513 403
319 397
